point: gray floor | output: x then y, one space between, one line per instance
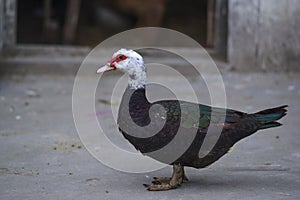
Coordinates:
42 157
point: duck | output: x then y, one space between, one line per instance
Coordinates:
177 114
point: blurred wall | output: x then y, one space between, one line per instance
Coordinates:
221 27
264 35
7 23
1 24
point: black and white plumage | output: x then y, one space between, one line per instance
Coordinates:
236 126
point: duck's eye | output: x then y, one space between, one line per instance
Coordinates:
120 58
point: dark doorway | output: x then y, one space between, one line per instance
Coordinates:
44 22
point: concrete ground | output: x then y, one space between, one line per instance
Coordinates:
42 156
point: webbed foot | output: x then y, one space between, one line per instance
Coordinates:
166 183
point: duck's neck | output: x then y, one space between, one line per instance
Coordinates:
137 80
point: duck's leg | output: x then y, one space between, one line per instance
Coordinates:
166 183
185 179
165 180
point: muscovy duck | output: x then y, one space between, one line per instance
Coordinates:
235 126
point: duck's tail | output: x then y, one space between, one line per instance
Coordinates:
269 117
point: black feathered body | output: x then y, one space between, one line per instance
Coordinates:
234 126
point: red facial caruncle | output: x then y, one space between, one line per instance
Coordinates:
116 59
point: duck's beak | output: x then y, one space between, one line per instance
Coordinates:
105 68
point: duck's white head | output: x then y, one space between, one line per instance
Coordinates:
129 62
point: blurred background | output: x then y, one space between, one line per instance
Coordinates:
88 22
256 34
255 44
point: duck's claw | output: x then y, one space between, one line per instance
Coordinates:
161 180
160 187
166 183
